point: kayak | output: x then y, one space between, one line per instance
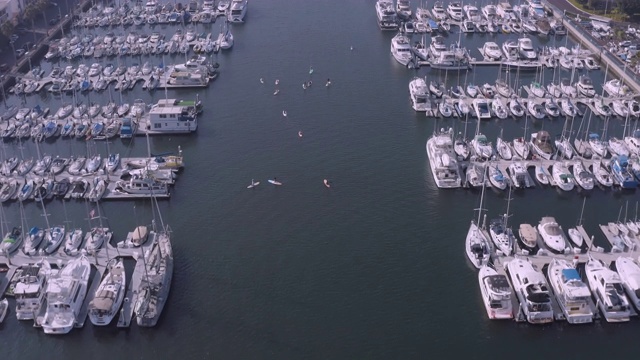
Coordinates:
275 182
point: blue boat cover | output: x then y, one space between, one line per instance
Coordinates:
571 274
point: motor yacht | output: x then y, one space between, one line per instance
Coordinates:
472 13
108 296
608 290
633 142
419 93
482 147
525 47
401 49
437 45
619 108
616 87
561 176
238 10
621 173
442 160
499 109
481 108
572 293
454 10
629 273
518 173
528 236
634 107
532 291
542 174
505 11
489 12
65 295
511 50
496 293
541 144
30 289
585 86
403 9
552 234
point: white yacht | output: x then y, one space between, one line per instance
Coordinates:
608 291
477 246
438 11
616 87
572 293
65 294
109 295
492 51
454 10
552 234
504 149
29 289
444 167
419 93
502 235
482 147
521 147
542 145
525 46
481 107
238 10
562 177
505 11
403 8
518 173
629 272
567 88
437 45
602 175
472 13
528 235
489 12
598 146
510 50
633 142
496 293
401 49
585 86
582 176
532 291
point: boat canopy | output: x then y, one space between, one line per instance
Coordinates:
498 283
594 136
570 274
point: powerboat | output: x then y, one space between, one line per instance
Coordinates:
621 174
615 87
437 45
403 9
525 47
496 293
401 49
532 291
499 109
585 86
552 234
472 13
481 108
634 107
65 294
633 142
608 290
561 176
489 12
419 93
576 238
518 173
572 293
491 51
477 246
482 148
454 10
528 236
30 289
541 144
438 11
629 273
108 296
551 108
511 50
11 241
502 235
619 108
582 176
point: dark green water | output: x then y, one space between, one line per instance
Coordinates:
373 267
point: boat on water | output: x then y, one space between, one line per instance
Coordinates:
53 238
492 51
585 86
66 291
518 173
419 93
562 177
572 293
156 281
401 49
542 174
502 235
632 142
33 241
11 241
608 290
525 48
528 236
386 13
481 108
576 238
582 176
541 144
621 173
629 273
30 289
615 87
72 241
532 291
496 178
496 293
552 234
477 246
442 160
109 295
482 147
96 238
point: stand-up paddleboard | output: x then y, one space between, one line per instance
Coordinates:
326 183
253 184
275 182
276 92
284 113
300 133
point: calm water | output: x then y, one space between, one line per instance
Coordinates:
373 267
